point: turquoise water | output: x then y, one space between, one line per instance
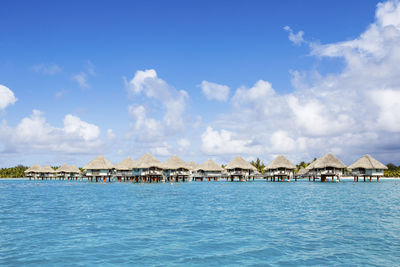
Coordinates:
200 224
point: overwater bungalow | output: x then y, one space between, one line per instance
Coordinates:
67 172
240 169
99 169
33 172
47 172
325 167
125 170
175 169
208 170
280 169
367 166
150 169
300 174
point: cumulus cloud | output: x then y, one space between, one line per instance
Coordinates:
7 97
351 112
35 134
295 38
215 91
173 101
225 142
183 144
47 69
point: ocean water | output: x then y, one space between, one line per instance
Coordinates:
60 223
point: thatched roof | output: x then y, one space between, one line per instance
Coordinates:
209 165
35 168
68 169
239 163
47 169
302 171
329 160
192 165
174 163
147 161
126 165
74 169
64 168
367 162
99 163
280 162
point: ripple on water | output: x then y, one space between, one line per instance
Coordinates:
199 224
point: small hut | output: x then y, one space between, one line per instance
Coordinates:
150 169
326 166
33 172
99 169
63 173
367 166
124 170
209 170
240 169
300 174
280 169
47 172
175 169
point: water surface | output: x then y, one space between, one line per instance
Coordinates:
60 223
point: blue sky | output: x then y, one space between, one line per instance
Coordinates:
76 63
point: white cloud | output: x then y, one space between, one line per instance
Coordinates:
215 91
81 79
224 142
154 88
6 97
351 112
75 126
35 134
183 144
146 128
162 150
47 69
296 38
110 134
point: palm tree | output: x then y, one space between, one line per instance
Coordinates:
259 165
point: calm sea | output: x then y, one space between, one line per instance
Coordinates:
200 224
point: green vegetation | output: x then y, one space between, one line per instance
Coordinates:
13 172
259 165
392 171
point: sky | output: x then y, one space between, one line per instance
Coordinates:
199 79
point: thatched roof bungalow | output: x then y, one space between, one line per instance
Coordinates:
151 169
367 166
33 171
99 168
209 170
68 172
280 168
176 169
239 168
326 166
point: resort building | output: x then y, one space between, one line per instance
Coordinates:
175 169
367 166
33 172
47 172
280 169
99 169
67 172
208 170
124 170
301 173
149 169
240 169
328 166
